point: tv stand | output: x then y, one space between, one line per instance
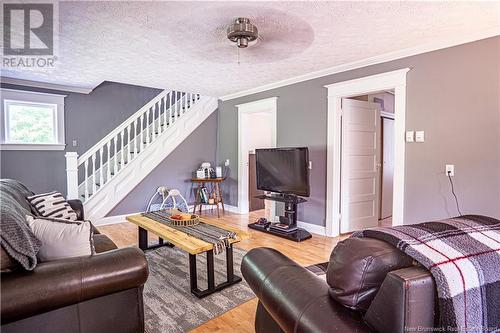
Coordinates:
290 218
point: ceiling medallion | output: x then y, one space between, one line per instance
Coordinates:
242 32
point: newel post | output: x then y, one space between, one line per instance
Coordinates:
72 175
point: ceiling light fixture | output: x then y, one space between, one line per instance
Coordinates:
242 32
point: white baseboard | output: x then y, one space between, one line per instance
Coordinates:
112 219
232 209
312 228
122 218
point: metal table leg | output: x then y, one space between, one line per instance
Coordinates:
212 288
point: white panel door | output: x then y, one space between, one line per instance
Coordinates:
360 166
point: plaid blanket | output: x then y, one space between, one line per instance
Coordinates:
463 255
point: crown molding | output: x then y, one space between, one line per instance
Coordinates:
437 45
45 85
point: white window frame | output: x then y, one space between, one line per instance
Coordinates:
38 98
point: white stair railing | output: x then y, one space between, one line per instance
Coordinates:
98 165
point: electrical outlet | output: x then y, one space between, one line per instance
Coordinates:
226 163
450 170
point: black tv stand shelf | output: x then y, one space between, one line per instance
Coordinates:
290 218
293 199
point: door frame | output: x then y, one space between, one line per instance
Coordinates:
267 105
385 81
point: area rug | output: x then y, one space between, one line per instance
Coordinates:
169 305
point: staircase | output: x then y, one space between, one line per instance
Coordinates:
107 172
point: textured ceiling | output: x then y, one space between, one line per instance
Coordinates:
182 45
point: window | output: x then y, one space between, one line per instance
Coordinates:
32 121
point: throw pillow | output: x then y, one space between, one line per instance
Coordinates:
62 238
52 204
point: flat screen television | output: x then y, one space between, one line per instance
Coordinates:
283 170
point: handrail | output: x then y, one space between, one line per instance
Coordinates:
95 148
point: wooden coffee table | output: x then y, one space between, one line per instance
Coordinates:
192 246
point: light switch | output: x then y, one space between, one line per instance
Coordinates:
419 136
226 163
409 136
74 143
310 165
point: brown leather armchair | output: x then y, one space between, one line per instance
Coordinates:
99 293
293 299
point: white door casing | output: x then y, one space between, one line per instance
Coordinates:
385 81
268 105
360 177
387 167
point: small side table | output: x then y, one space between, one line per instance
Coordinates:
215 185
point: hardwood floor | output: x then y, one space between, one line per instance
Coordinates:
241 318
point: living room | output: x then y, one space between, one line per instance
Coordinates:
250 167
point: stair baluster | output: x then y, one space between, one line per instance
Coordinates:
122 157
137 132
129 142
101 173
148 131
108 162
141 137
165 112
115 157
155 120
86 177
93 173
172 94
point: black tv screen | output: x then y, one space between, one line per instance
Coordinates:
283 170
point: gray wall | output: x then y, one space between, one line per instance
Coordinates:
176 170
88 118
453 94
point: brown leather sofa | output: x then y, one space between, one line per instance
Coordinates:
370 286
99 293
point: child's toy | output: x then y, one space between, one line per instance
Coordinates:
171 198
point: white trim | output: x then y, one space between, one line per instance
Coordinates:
395 79
437 45
54 101
312 228
268 105
231 208
33 92
258 103
108 220
71 175
45 85
27 146
388 115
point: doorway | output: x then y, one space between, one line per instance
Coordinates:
394 81
367 166
256 129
